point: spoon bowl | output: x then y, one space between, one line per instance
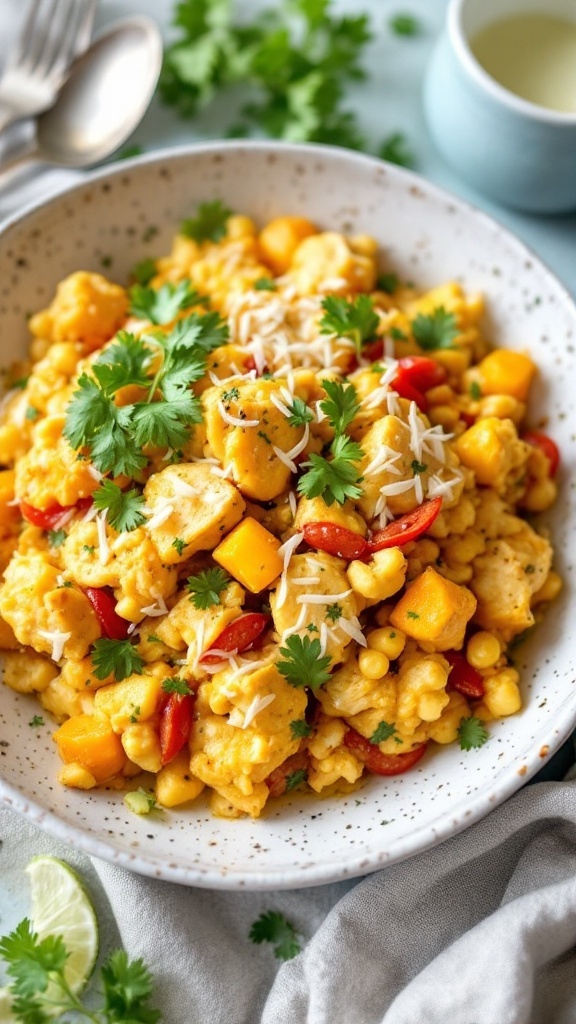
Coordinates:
104 98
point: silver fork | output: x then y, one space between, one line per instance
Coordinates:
54 33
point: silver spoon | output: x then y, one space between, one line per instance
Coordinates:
104 98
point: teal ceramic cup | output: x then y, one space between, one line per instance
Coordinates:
515 151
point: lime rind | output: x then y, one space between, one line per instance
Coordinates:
61 906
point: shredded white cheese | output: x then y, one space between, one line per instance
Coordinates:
235 421
103 546
292 501
286 551
162 512
255 707
182 488
322 598
57 639
352 629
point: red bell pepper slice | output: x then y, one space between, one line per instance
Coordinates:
113 626
546 445
415 375
48 518
237 637
336 540
175 724
376 761
407 528
463 677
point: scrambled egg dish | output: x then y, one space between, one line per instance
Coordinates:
265 518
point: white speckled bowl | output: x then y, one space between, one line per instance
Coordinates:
427 236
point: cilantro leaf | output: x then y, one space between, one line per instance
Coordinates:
179 544
265 284
144 271
124 507
300 414
334 479
162 305
56 538
209 224
355 319
295 779
387 283
207 586
383 732
163 424
303 663
118 657
395 150
341 405
127 989
300 728
176 685
334 612
404 25
436 331
471 733
31 960
273 927
126 361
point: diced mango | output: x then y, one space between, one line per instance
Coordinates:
434 611
491 448
90 741
175 784
250 554
280 238
503 372
132 700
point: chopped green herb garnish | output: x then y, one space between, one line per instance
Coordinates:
162 305
124 508
115 657
333 612
412 615
383 732
355 319
89 548
264 436
140 801
36 721
475 391
334 479
300 728
207 586
265 284
32 413
404 25
300 414
471 733
340 405
144 271
232 394
303 663
295 779
436 331
209 224
397 335
56 538
176 685
179 544
395 150
387 283
274 928
418 467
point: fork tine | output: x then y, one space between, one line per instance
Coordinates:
18 53
77 36
40 44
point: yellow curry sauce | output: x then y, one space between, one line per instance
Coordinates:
263 518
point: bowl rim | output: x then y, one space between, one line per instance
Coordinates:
503 785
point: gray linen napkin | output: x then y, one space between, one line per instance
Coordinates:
479 930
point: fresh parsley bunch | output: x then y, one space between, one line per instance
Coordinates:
38 985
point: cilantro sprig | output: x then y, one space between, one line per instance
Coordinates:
273 927
209 224
334 479
164 366
303 663
124 508
300 414
436 331
115 657
472 733
340 405
36 968
162 305
384 731
350 318
205 588
173 684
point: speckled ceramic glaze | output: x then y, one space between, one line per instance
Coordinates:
123 214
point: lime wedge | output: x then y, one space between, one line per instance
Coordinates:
61 906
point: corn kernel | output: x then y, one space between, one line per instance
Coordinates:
503 407
455 361
76 777
483 650
364 245
502 696
373 664
443 415
549 589
442 394
388 640
540 496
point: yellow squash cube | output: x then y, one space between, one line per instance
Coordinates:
506 373
250 554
